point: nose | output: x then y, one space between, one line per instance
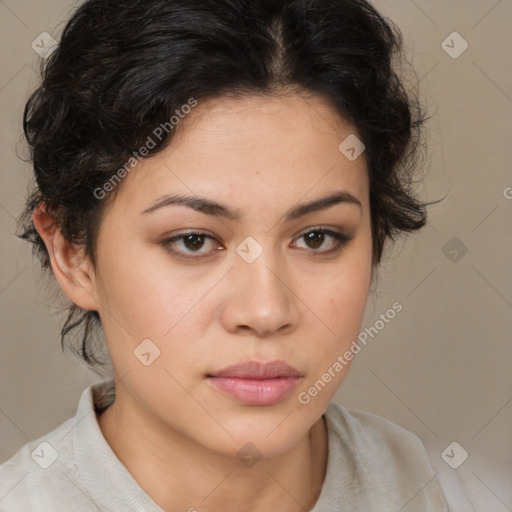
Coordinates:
261 299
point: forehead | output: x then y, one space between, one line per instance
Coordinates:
257 148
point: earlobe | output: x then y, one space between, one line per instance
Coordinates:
69 263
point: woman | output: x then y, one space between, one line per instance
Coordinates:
216 180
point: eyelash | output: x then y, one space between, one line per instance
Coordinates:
340 240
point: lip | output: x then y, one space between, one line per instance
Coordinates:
254 383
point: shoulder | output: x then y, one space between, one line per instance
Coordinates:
42 475
38 472
373 430
389 462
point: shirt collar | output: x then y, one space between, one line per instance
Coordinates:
108 483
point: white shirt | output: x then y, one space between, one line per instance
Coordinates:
373 465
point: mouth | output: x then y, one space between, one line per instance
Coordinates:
254 383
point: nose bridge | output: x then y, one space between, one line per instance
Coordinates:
260 268
262 299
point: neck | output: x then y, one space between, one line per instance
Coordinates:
180 474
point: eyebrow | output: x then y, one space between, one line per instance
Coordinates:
210 207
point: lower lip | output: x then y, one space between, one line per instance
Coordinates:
255 391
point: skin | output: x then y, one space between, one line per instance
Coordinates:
178 436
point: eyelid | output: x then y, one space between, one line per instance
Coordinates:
322 227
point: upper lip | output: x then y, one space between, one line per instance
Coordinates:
257 370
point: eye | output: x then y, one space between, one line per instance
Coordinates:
318 237
188 245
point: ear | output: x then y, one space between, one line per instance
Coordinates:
71 268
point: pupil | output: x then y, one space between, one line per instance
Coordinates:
193 241
316 238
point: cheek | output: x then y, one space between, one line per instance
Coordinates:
341 312
339 301
344 290
146 296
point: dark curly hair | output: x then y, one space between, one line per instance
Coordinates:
124 67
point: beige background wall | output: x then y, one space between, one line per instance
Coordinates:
441 367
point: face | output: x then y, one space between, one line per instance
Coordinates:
238 273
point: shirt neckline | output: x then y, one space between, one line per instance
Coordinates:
110 485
